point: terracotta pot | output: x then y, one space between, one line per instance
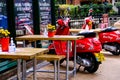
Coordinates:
5 44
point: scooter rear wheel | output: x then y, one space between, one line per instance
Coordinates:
117 52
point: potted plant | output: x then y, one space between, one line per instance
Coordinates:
51 30
4 33
4 39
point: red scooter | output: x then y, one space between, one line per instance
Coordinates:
88 49
110 40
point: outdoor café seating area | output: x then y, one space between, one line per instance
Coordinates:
25 53
22 54
59 39
51 57
35 54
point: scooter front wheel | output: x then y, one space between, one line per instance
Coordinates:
94 64
89 58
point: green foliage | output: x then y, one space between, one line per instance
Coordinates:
101 6
85 6
117 4
66 10
83 10
112 12
109 5
95 6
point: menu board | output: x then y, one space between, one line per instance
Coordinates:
45 11
23 16
23 13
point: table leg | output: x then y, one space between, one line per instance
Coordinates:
18 69
24 43
34 69
55 70
24 70
67 61
58 70
74 58
35 44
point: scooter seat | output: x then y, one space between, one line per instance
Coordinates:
87 34
109 29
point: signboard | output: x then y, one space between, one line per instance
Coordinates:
23 12
105 18
45 11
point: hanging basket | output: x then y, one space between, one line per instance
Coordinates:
5 44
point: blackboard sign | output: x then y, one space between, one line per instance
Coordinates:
23 12
45 11
24 16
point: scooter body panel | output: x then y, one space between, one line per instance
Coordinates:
110 40
88 45
111 36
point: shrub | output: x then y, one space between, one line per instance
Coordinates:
117 4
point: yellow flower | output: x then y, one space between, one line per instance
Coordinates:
4 33
50 27
90 23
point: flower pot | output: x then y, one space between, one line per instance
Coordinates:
5 44
51 33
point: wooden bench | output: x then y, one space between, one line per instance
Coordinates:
56 59
6 65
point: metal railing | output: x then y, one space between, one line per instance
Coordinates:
77 23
